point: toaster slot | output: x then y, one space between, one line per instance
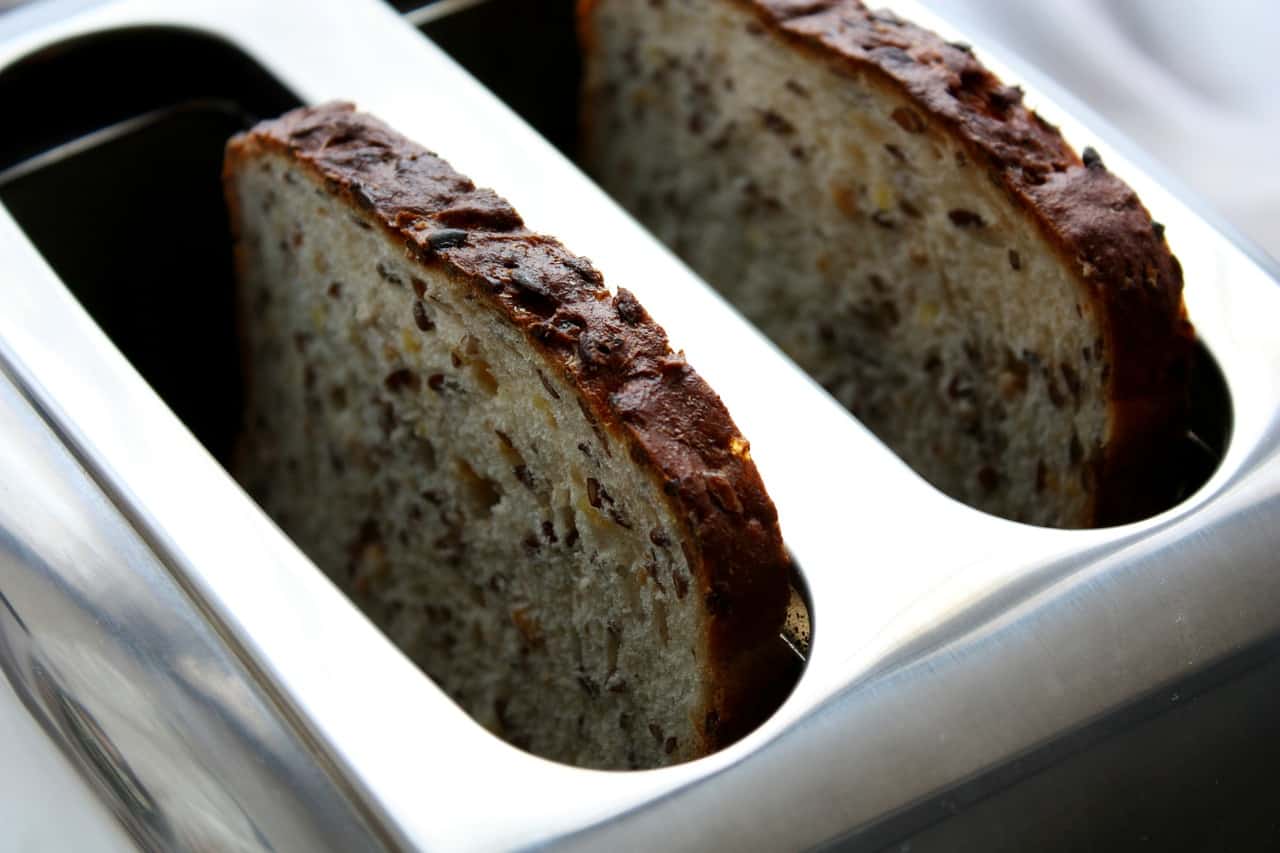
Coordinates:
122 195
499 40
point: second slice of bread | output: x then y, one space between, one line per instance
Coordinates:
1004 315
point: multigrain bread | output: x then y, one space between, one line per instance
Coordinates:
503 463
1004 315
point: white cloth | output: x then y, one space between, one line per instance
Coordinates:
1195 82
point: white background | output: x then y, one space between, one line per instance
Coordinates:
1196 83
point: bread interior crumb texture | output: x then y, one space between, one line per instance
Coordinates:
866 244
413 443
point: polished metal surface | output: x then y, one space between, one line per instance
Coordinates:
946 641
47 807
109 655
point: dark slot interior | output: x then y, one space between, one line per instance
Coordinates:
83 85
121 192
1205 443
501 41
527 54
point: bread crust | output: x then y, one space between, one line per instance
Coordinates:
607 347
1093 220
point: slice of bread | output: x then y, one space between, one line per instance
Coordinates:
503 463
1004 315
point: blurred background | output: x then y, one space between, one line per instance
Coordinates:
1196 83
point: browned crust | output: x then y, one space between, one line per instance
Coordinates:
605 346
1093 220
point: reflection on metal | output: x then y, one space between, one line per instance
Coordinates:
230 696
438 10
108 134
125 674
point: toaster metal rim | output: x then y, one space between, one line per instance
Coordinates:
70 557
1042 560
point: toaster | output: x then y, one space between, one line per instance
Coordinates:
178 675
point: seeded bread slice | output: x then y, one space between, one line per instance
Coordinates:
502 462
1004 315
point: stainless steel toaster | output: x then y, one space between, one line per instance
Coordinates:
189 680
